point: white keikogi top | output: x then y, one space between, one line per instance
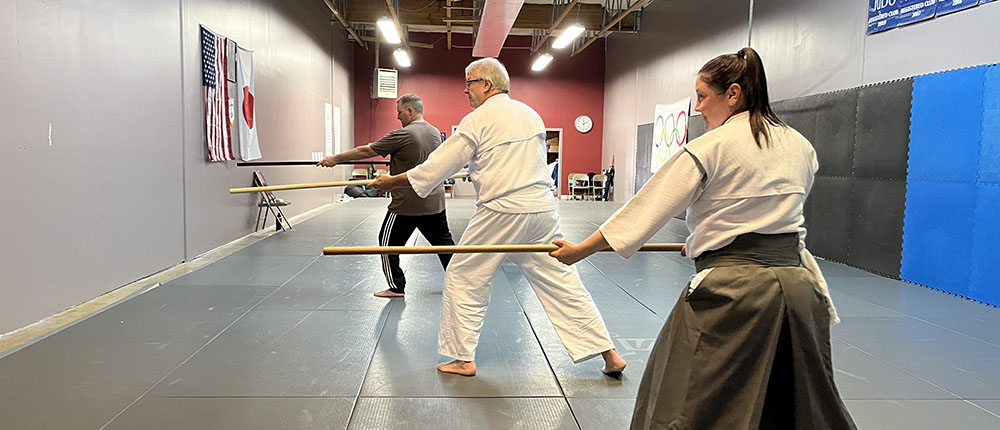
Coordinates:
503 142
729 187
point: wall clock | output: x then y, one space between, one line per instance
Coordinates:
583 123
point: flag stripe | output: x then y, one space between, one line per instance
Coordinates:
217 131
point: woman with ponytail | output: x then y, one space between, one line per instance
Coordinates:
747 346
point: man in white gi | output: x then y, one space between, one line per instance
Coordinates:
503 142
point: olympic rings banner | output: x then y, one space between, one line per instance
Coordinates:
670 131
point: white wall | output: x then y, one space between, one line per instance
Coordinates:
102 149
808 47
658 65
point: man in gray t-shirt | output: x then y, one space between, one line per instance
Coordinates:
407 147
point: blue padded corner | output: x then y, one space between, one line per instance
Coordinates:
946 126
986 245
989 154
937 235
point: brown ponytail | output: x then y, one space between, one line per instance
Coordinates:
747 70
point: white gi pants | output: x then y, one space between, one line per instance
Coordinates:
567 303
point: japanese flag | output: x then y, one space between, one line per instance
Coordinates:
249 146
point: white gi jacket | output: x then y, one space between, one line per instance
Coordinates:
729 187
503 141
487 139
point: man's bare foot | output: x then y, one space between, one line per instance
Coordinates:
614 364
458 367
389 294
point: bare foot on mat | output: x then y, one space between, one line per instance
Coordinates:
458 367
389 294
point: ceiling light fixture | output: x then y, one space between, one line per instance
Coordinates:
567 36
541 62
388 30
402 58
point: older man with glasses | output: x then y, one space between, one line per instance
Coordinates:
503 142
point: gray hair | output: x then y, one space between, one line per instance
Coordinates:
411 101
490 69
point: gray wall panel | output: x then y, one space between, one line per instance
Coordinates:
91 132
696 127
103 118
809 46
643 155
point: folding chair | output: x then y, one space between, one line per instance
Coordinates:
578 182
269 203
597 186
359 174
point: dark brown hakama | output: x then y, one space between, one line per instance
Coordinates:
749 348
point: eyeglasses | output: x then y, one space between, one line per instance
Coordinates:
469 83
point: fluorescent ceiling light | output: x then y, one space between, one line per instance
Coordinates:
567 36
541 62
401 57
388 30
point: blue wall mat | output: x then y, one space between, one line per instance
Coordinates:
986 245
946 126
937 235
989 154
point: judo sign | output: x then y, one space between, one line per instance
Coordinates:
670 131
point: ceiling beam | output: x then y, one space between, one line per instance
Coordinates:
413 44
399 27
613 22
555 25
350 30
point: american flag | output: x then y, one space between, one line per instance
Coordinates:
213 66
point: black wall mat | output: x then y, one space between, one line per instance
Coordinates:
798 114
827 120
827 213
643 148
836 117
696 127
876 231
883 132
855 212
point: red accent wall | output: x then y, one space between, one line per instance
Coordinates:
568 88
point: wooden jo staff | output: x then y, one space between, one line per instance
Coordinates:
300 186
312 185
470 249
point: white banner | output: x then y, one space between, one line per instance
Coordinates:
249 145
328 122
337 135
670 130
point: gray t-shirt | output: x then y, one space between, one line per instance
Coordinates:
408 147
